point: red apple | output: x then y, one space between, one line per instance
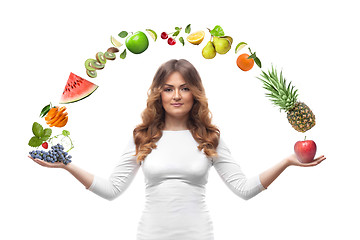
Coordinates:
305 150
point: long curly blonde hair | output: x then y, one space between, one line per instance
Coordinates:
149 131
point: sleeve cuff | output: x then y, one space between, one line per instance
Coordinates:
262 188
91 188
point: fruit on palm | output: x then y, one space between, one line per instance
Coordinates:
305 150
222 44
57 117
284 96
209 51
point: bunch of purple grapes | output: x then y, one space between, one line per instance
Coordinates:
56 154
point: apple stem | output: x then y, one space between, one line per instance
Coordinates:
305 138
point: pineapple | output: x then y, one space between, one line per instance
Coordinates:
284 96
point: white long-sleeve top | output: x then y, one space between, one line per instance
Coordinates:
176 173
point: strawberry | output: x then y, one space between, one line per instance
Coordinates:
45 145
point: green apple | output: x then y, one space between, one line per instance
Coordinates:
137 43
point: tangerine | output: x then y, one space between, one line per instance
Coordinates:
245 63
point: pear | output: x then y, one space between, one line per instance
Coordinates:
208 51
229 38
222 44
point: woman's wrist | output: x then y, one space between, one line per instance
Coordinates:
84 177
67 166
291 160
287 162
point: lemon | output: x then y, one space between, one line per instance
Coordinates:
115 42
196 38
152 33
240 46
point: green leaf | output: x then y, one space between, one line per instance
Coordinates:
47 133
123 54
37 130
45 110
123 34
177 28
65 133
217 31
188 28
257 61
44 139
176 33
253 56
181 39
35 142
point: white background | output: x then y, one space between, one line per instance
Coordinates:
315 43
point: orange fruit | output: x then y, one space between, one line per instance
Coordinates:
52 112
244 63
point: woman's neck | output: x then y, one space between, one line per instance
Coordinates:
176 124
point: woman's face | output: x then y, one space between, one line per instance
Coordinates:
176 96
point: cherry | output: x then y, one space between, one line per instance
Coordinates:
171 41
45 145
164 35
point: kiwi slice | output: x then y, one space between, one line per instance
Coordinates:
110 55
100 57
95 64
113 50
87 64
92 74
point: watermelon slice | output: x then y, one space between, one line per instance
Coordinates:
76 89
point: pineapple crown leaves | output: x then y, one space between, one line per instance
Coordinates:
280 93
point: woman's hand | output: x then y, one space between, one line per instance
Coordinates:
272 173
48 164
84 177
293 161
